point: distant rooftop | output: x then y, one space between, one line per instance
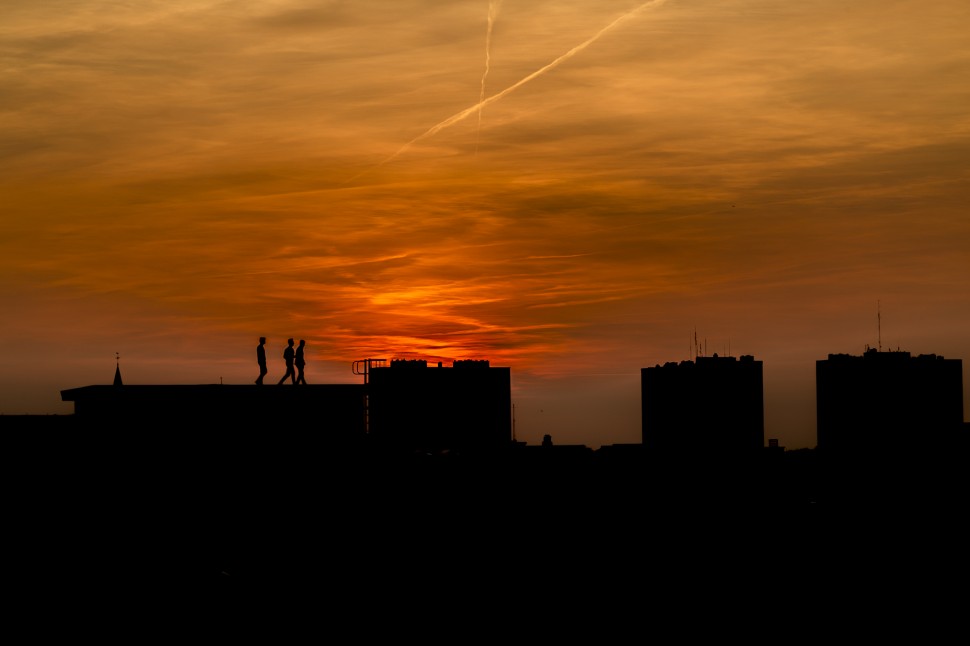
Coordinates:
872 354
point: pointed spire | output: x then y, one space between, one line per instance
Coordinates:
117 381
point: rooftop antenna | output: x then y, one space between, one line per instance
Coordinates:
513 423
879 325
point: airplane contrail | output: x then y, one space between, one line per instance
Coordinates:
464 114
493 9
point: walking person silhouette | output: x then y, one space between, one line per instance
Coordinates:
261 360
300 362
288 358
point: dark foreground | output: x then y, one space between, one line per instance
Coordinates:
256 513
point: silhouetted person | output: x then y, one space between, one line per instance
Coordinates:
288 358
300 363
546 440
261 360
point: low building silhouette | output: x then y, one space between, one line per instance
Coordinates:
403 407
337 409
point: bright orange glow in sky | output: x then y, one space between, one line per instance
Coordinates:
182 177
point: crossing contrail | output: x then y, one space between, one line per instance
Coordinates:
467 112
493 8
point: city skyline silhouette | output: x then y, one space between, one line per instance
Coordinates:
578 193
719 399
573 191
375 455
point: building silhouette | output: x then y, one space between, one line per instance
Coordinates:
888 403
414 407
335 409
712 406
402 407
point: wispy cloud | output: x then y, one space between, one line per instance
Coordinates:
464 114
493 9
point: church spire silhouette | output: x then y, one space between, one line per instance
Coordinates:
117 381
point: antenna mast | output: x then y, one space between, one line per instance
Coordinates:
879 325
513 423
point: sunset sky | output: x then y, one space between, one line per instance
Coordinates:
180 177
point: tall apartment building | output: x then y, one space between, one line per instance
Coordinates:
712 406
888 402
413 406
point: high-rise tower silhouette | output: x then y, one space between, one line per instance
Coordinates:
713 406
887 402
